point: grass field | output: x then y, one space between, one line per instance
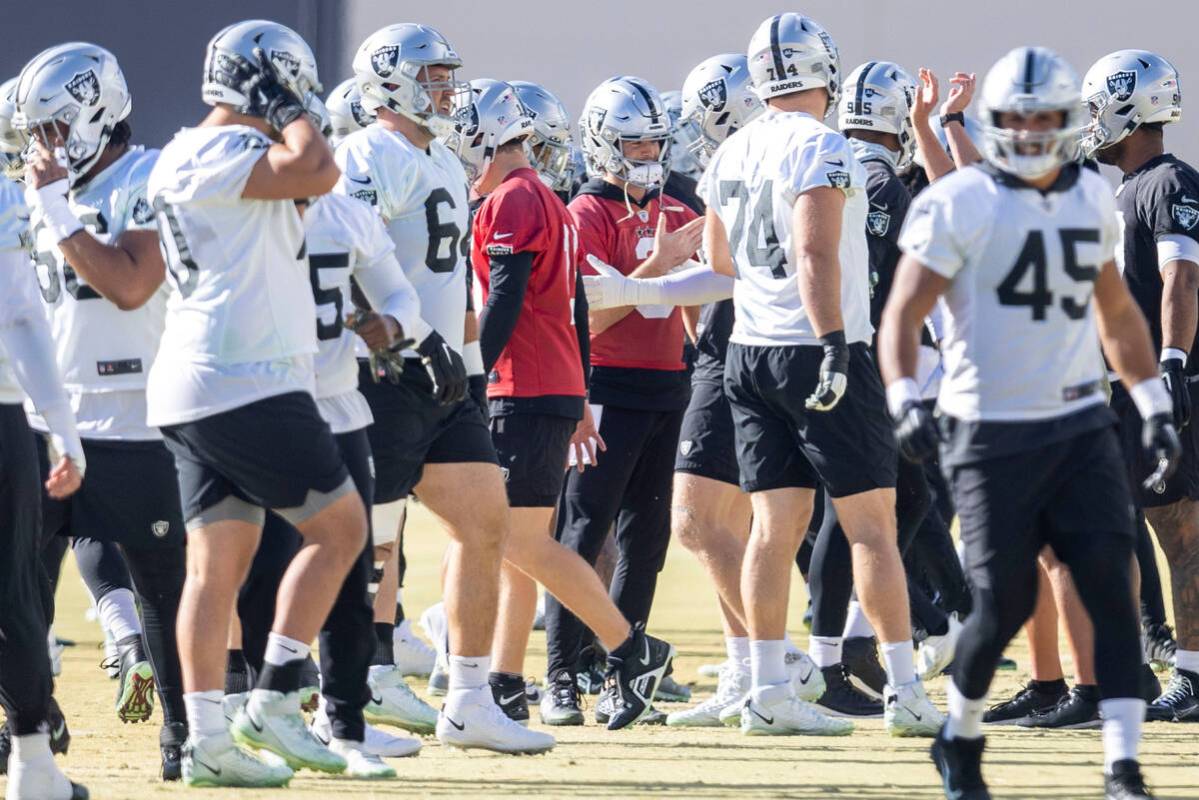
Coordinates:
121 761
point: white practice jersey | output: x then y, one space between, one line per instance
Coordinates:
346 239
239 318
423 199
104 353
18 289
753 182
1019 337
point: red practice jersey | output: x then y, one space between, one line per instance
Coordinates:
542 356
649 337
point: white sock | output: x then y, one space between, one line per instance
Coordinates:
205 717
30 747
825 650
899 661
469 673
965 718
1122 720
1187 659
767 662
118 614
856 624
281 649
737 648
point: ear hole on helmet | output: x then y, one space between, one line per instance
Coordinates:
723 118
96 117
1124 110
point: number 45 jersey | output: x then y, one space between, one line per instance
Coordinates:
422 197
1020 341
753 183
104 353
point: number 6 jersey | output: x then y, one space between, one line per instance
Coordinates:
1020 342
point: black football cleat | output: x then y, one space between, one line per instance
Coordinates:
860 656
1034 698
1077 710
135 681
170 744
842 699
1125 782
634 671
1180 701
959 763
510 695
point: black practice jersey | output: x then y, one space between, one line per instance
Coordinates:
889 200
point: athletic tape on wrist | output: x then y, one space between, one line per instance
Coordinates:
900 393
51 200
1151 398
472 358
1173 352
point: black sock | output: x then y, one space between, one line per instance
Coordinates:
281 677
384 644
1049 686
502 678
399 612
237 673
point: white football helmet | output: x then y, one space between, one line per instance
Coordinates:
12 140
549 146
681 139
76 91
718 100
389 68
878 97
1125 90
492 115
791 53
1028 80
345 110
231 59
626 109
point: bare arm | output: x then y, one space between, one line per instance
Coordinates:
1180 304
936 161
960 143
299 166
127 272
1122 328
817 224
716 245
913 294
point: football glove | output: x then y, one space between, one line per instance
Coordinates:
1176 384
445 369
1159 440
385 364
833 373
916 432
270 98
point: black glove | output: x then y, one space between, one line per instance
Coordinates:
833 373
1176 384
478 393
445 368
916 432
1159 440
275 102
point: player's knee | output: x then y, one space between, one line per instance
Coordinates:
693 526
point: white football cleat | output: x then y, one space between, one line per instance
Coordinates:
730 692
776 711
412 656
40 778
272 721
376 742
218 761
394 703
909 712
713 670
359 762
935 652
232 703
472 720
806 677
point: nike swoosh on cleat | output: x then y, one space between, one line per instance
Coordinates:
917 716
645 658
59 731
805 678
254 724
511 698
376 699
461 727
209 767
759 715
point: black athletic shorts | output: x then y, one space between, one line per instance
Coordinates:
1184 483
270 453
532 449
412 430
850 449
707 444
130 495
1065 494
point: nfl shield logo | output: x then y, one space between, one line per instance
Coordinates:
838 179
685 447
285 62
1186 216
714 95
160 528
85 88
878 222
643 215
1122 84
384 60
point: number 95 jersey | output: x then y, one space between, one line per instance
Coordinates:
1020 342
422 197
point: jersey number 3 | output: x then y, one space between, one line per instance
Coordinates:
1033 259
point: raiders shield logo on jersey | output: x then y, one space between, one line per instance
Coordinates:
160 528
286 62
85 88
1122 84
838 179
142 213
878 223
384 60
1186 216
685 447
714 95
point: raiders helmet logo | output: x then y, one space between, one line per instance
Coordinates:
142 213
595 119
286 63
85 87
384 60
714 95
359 114
468 120
160 528
1122 84
1186 216
878 223
838 179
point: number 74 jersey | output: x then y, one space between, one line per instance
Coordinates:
422 197
1020 342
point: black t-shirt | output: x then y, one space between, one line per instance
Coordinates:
1160 198
889 200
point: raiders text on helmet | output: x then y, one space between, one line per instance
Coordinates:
878 97
791 53
718 100
550 143
626 109
231 59
492 115
1125 90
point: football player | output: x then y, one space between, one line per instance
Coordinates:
28 367
1019 246
346 115
100 271
231 390
428 438
787 213
1132 95
638 385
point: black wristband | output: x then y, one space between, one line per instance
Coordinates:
957 116
836 351
834 339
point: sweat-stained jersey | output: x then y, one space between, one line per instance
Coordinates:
423 199
542 356
239 318
104 353
753 182
637 362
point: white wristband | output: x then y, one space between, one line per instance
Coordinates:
472 358
1173 352
51 200
1151 398
900 393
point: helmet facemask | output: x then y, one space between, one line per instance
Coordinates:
1028 153
551 159
72 145
413 76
